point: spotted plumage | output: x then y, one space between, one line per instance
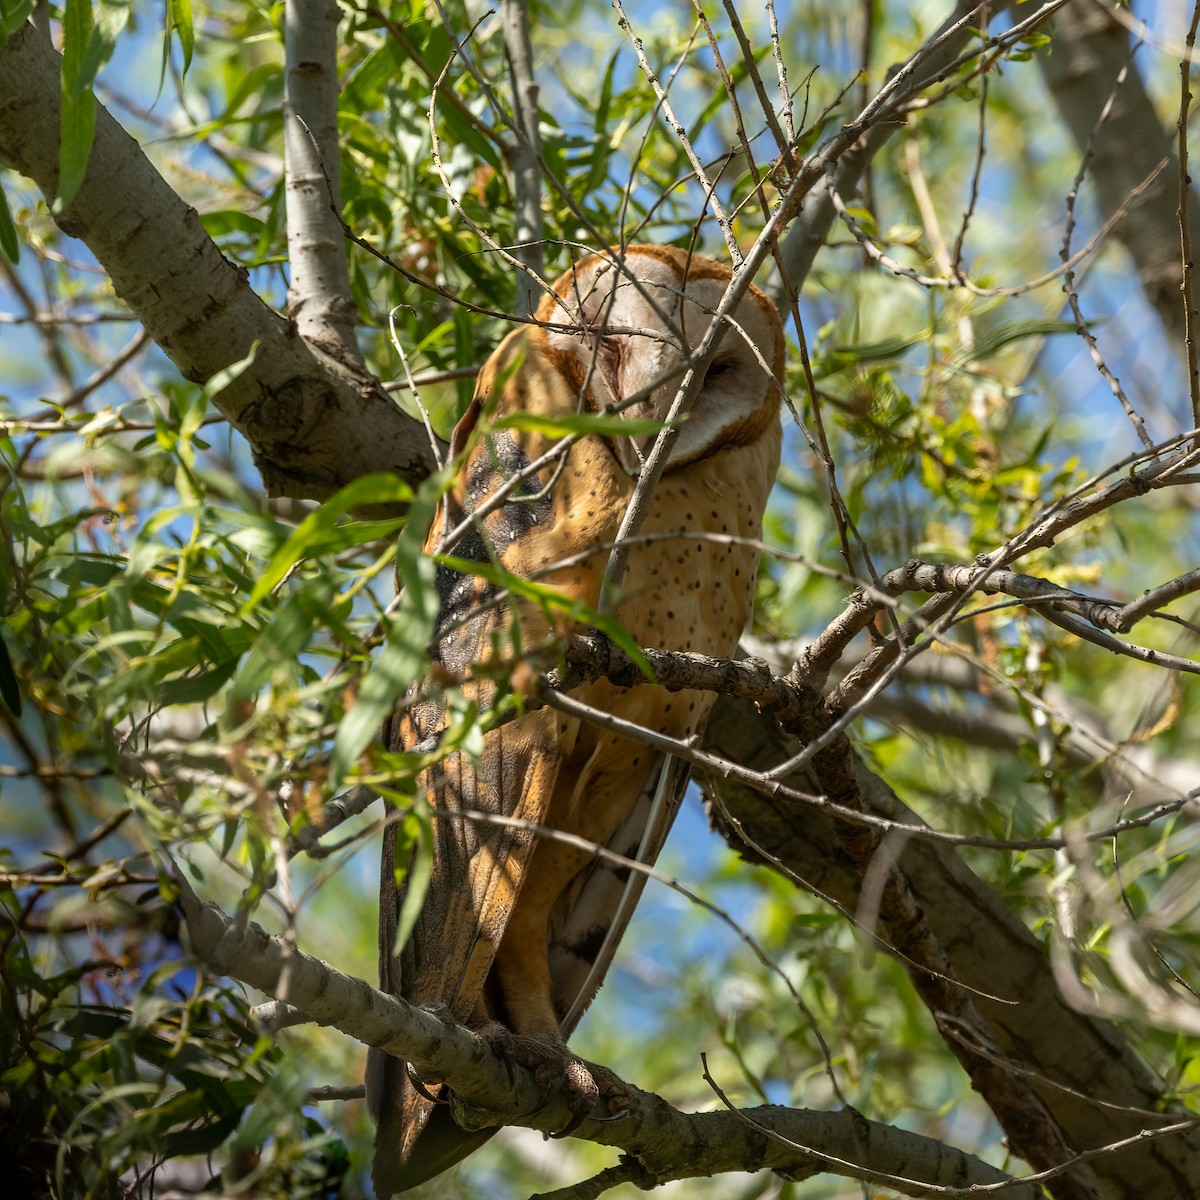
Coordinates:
515 930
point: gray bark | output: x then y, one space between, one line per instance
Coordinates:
314 425
1085 1076
669 1144
319 299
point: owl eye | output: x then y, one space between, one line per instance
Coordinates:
717 368
608 359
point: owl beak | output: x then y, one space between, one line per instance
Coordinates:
633 451
611 363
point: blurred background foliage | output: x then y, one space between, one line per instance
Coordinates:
185 651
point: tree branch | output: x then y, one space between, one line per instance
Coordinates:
808 232
1090 49
668 1143
314 426
319 298
525 155
1087 1075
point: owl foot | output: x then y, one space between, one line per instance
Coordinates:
581 1086
556 1069
606 1087
438 1095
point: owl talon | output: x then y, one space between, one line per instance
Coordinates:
502 1042
419 1086
572 1125
601 1084
611 1119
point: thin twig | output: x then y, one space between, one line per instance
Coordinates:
532 284
1135 418
1123 619
1185 225
726 226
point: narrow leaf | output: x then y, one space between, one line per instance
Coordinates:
88 41
549 598
8 231
408 631
13 14
78 103
416 832
1011 331
226 375
315 528
279 644
179 20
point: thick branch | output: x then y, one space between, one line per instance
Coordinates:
670 1144
319 296
525 155
1086 1077
314 426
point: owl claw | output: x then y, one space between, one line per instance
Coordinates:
501 1040
602 1084
580 1085
611 1119
419 1086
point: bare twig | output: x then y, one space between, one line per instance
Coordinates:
681 133
1069 276
1124 619
532 283
1185 224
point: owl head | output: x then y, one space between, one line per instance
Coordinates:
625 326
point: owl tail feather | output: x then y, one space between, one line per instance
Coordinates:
414 1140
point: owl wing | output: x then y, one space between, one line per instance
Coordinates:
477 868
594 914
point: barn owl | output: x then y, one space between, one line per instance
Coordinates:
516 932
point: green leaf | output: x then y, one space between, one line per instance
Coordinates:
13 14
396 666
415 833
1011 331
602 146
278 645
222 222
314 532
551 600
179 21
88 41
78 103
890 348
408 631
218 383
195 689
8 231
